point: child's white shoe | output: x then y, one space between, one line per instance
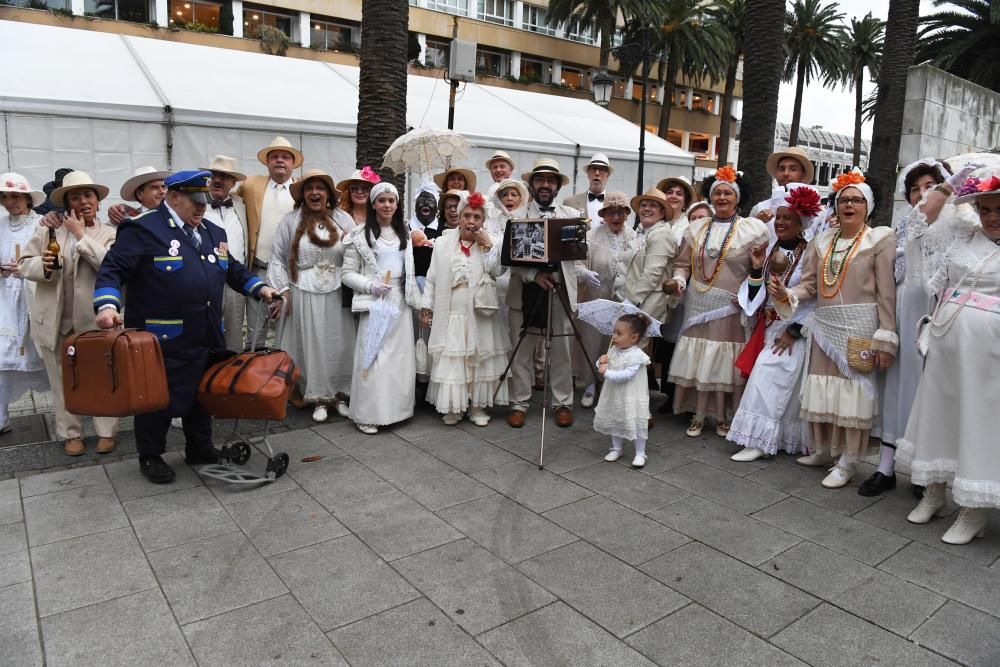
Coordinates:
639 461
613 455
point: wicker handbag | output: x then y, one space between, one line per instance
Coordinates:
860 355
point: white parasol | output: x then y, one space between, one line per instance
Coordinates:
424 150
603 313
382 316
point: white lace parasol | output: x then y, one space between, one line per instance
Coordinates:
382 316
426 149
603 313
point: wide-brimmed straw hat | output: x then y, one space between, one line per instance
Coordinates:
599 160
518 185
280 144
140 177
544 165
457 194
614 200
13 182
366 176
470 178
296 188
500 155
76 180
226 165
654 195
793 152
680 181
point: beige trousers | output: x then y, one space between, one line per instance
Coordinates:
522 371
69 425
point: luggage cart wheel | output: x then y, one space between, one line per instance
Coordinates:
278 464
238 453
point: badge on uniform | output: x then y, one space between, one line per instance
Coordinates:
174 243
223 249
211 258
173 252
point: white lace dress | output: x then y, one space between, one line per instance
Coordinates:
623 409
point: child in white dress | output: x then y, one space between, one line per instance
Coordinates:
623 409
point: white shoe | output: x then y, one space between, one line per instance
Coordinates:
748 454
587 400
839 476
613 455
694 428
7 427
176 422
932 504
478 416
971 523
639 461
452 418
369 429
342 409
319 414
815 460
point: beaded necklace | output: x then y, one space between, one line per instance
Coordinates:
833 277
709 281
796 256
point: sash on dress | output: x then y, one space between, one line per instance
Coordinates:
701 307
830 327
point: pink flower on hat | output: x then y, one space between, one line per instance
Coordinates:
9 183
369 175
989 184
23 187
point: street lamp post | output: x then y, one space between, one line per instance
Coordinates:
644 52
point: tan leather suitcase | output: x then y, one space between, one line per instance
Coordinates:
251 385
114 373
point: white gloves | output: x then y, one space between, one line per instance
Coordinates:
956 180
592 278
380 289
421 283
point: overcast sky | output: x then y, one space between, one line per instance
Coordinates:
834 109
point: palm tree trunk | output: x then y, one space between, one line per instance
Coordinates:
668 94
762 65
607 30
800 82
382 85
726 111
859 101
900 37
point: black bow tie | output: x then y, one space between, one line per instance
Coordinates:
591 197
544 209
222 203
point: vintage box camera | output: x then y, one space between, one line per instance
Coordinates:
537 242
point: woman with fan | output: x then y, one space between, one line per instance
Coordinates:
849 272
715 258
768 416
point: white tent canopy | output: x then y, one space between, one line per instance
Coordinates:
108 103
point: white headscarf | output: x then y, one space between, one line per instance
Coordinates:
431 188
380 188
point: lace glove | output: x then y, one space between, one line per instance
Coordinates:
379 289
956 180
592 278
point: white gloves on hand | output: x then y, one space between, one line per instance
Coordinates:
380 289
592 278
956 180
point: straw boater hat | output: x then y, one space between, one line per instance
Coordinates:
296 188
500 155
599 160
653 194
457 194
11 182
140 177
793 152
280 144
226 165
509 183
76 180
614 200
680 181
470 178
544 165
366 176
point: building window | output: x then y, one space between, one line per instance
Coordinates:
136 11
701 101
698 144
676 137
460 7
332 36
536 71
650 90
194 15
580 32
497 11
679 94
254 18
573 78
533 19
436 54
492 63
39 4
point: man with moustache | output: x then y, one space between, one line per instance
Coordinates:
530 286
590 203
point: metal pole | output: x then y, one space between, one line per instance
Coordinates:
451 105
642 122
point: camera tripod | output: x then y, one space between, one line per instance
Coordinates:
559 289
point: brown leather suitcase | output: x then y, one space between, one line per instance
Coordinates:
114 373
251 385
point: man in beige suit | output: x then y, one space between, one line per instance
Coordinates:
64 294
598 171
267 200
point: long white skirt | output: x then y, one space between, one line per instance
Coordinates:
21 367
320 338
901 380
384 394
768 416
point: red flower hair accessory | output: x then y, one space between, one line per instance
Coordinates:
476 200
726 173
846 179
804 201
989 184
369 175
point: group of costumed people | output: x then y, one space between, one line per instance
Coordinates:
798 328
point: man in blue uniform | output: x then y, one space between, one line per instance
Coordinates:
176 266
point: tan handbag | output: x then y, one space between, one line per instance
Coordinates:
860 355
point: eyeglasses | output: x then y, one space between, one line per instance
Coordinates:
856 201
987 212
359 188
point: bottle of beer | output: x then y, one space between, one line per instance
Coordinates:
53 247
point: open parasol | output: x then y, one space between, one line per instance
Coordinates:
424 150
603 313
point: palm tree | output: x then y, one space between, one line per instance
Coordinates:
762 67
900 36
814 38
382 85
730 16
964 40
863 50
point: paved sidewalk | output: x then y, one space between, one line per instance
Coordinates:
430 545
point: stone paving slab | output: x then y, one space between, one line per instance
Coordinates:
967 635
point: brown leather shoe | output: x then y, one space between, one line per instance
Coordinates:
106 445
515 418
564 416
74 447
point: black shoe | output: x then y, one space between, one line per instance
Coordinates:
918 491
156 470
876 484
201 456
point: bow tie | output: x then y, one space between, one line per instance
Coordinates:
591 197
544 209
222 203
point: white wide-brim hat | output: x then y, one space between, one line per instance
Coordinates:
76 180
793 152
140 177
226 165
14 182
280 144
470 178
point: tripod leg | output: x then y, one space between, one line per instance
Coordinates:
513 355
547 390
564 300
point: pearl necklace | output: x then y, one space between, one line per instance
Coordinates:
18 222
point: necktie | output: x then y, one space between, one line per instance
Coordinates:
194 236
222 203
591 197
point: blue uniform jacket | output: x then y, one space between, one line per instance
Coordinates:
175 291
